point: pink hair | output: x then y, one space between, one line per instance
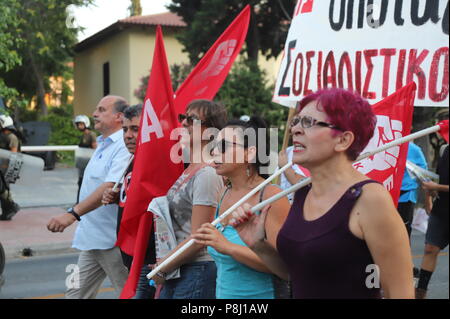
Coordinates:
348 111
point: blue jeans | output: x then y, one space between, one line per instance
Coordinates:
197 281
143 289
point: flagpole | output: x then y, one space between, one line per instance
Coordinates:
116 185
286 136
251 193
293 188
219 219
307 181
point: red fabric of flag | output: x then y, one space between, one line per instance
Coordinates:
444 129
394 120
208 75
153 171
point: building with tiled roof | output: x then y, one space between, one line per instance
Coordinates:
113 60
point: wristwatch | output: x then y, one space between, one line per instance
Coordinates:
72 212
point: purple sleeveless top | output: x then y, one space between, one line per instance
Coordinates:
324 259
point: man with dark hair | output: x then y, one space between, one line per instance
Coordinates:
130 126
437 236
96 232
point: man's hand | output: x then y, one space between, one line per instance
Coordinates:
110 196
430 186
59 223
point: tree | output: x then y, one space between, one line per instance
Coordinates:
9 58
207 19
244 92
178 73
47 41
135 8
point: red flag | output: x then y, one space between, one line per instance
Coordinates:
444 129
394 120
153 171
207 77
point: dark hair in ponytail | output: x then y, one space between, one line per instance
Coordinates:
254 123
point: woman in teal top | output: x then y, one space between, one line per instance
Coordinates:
241 274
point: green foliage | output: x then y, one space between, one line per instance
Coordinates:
45 47
63 131
178 73
9 58
23 113
142 89
245 92
207 19
135 8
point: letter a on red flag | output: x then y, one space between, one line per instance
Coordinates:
208 75
153 170
394 120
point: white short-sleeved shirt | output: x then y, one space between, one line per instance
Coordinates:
97 229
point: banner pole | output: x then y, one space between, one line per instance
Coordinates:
287 129
307 181
219 219
116 185
293 188
286 137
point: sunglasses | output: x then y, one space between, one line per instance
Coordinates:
223 144
308 121
189 118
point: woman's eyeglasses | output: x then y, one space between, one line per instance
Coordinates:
308 121
189 118
223 144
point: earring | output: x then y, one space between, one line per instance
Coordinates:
248 171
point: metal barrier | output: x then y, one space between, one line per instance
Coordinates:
49 148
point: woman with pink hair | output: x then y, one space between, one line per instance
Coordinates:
343 237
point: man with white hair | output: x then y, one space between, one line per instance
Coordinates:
96 232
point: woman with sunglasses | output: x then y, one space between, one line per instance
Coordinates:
343 237
238 156
192 202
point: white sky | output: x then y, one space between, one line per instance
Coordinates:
105 12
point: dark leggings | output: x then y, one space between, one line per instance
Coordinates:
406 211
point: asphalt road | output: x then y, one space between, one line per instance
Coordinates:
44 277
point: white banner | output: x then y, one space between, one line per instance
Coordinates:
373 47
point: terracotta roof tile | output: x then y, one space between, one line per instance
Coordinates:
164 19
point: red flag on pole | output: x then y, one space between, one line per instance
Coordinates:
394 120
153 170
444 129
208 75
